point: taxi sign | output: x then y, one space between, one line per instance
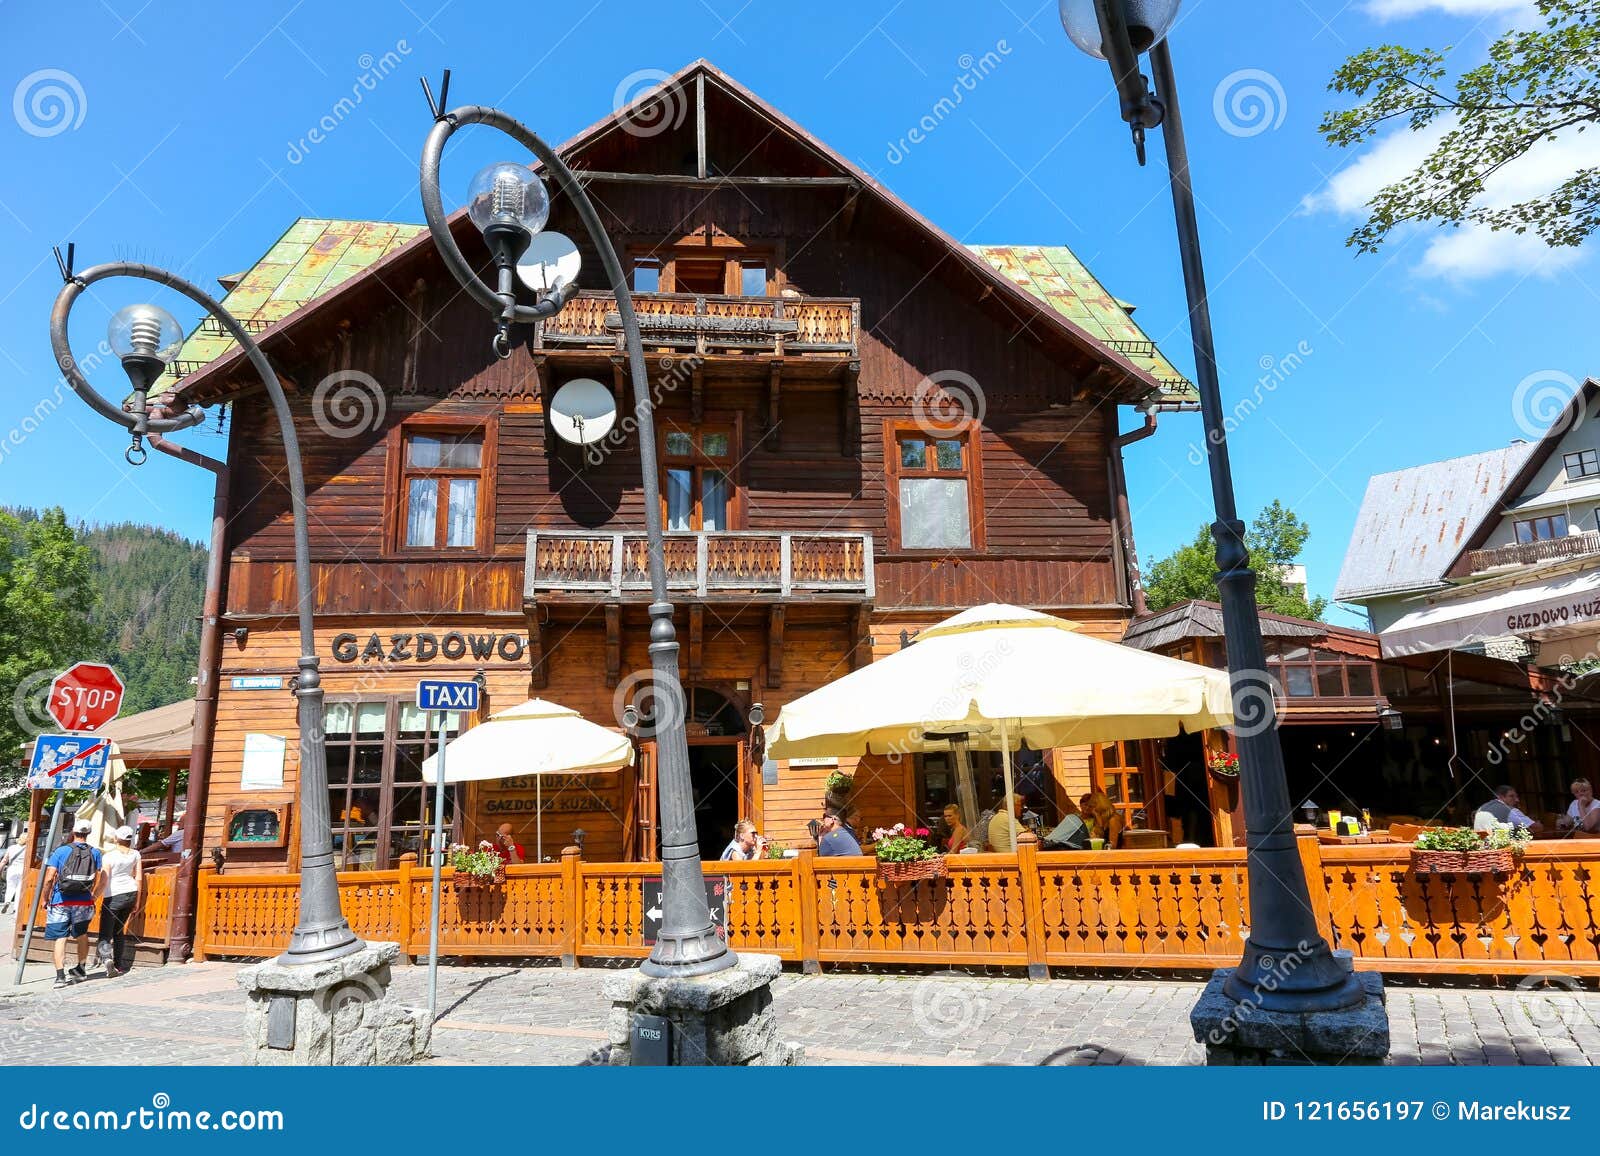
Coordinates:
445 694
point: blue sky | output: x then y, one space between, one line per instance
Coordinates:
185 143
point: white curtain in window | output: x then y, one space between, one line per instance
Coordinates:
461 526
714 501
370 718
336 718
422 511
934 514
680 509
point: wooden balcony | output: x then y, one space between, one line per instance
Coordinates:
808 327
1529 553
740 565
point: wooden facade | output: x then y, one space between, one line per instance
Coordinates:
817 352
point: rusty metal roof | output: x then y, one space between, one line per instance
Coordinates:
1413 522
307 261
1054 275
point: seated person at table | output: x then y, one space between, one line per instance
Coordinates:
1502 809
1105 821
508 847
836 837
1071 834
1000 825
959 834
1584 813
745 844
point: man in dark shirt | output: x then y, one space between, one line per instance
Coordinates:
836 837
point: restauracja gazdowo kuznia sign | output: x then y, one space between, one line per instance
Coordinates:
425 646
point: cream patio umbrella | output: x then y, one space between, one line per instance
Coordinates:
534 738
993 677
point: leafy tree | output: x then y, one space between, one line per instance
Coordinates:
1275 540
46 594
1537 85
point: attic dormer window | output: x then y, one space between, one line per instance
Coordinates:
1583 464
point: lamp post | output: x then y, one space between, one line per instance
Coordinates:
508 203
146 338
1283 927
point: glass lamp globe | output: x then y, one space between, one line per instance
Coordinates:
508 194
145 331
1148 22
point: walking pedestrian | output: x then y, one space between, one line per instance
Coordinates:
11 861
124 869
74 878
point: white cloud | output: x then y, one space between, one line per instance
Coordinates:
1470 252
1400 9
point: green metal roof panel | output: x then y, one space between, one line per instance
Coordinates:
312 257
1054 275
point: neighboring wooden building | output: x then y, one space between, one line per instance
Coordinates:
863 425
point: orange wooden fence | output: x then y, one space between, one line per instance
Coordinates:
152 919
1154 909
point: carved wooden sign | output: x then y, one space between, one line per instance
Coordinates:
425 646
698 323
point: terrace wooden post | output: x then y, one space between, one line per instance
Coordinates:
203 900
403 917
1032 902
1310 848
805 889
571 905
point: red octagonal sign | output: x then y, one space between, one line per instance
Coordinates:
86 697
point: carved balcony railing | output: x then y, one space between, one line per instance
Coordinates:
1528 553
614 564
778 326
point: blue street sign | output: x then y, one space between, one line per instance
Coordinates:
68 762
442 694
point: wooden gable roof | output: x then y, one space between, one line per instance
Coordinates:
783 154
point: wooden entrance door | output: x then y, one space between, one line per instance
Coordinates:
641 832
1125 771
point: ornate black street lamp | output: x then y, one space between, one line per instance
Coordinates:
146 338
509 204
1283 928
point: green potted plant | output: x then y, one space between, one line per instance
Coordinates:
1463 851
906 854
482 866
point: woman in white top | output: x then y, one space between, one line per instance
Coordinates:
124 874
1584 814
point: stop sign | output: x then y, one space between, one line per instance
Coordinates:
86 697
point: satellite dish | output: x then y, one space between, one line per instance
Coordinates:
582 411
551 260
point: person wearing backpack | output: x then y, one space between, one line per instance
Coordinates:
73 875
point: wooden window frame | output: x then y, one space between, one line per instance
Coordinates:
1153 804
971 433
384 825
1585 460
1533 523
1315 664
487 426
732 256
732 424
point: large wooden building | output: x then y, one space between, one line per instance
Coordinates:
894 427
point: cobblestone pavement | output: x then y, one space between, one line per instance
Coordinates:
500 1013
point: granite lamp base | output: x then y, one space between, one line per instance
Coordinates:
722 1019
333 1013
1235 1032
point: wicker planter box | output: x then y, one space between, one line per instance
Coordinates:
465 882
1462 862
934 868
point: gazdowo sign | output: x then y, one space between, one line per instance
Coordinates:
451 646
